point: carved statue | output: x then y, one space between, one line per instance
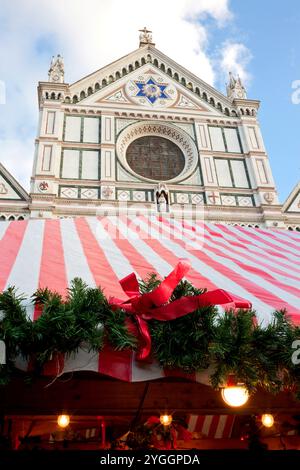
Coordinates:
56 72
235 88
162 198
145 36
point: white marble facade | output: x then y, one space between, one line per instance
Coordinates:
86 130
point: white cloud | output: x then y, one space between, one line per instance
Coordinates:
235 58
90 34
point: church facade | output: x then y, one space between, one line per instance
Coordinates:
144 134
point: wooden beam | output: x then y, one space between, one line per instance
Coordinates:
98 396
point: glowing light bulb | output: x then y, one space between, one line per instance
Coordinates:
267 420
166 420
63 421
236 395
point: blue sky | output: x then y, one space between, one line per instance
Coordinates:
258 39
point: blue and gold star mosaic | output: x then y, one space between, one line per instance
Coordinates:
152 90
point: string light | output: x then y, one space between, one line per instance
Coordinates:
166 419
63 421
267 420
235 395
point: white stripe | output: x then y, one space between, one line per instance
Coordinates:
255 278
3 227
26 269
255 252
144 371
82 360
75 260
280 262
119 263
246 233
221 426
284 237
192 422
220 280
159 265
207 424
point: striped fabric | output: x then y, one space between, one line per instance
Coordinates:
211 426
260 265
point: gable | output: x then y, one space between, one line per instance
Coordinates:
10 188
292 203
110 84
151 89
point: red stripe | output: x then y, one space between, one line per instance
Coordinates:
199 423
266 241
9 249
117 364
257 291
99 266
137 261
196 278
277 256
286 242
53 270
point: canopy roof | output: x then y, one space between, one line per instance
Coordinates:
260 265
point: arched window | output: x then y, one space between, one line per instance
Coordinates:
183 81
52 97
233 113
204 96
169 72
226 111
59 96
219 106
124 71
90 91
118 75
82 95
176 77
130 68
75 99
253 112
111 79
136 64
197 91
47 95
97 86
190 86
162 67
143 60
67 99
247 112
11 217
212 102
155 62
242 112
20 217
2 217
104 82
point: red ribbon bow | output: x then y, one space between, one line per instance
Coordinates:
154 305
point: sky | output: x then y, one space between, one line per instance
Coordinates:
259 39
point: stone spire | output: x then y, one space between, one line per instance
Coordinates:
235 88
56 72
145 37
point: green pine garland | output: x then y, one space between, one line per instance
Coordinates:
230 343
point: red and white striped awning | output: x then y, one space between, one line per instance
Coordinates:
260 265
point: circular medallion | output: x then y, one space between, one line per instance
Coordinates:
152 90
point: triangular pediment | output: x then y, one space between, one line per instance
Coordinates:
149 79
292 204
10 189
